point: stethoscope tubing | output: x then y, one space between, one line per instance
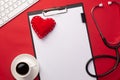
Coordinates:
108 44
100 57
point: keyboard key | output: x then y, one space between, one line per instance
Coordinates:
2 9
6 11
2 14
23 0
6 6
6 0
2 3
5 18
15 6
11 8
18 2
30 1
1 22
10 3
14 0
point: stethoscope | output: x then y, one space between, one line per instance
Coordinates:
107 43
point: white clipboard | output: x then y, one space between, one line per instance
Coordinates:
63 53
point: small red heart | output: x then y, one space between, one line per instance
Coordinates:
42 26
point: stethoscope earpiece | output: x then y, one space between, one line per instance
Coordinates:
109 2
100 5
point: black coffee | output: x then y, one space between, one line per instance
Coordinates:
22 68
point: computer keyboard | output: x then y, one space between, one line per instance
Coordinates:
11 8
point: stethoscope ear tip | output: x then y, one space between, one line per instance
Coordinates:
101 5
109 2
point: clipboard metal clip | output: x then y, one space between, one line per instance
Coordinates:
54 11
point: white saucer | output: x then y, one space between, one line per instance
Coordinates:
32 63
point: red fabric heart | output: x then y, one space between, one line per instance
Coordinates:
42 26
